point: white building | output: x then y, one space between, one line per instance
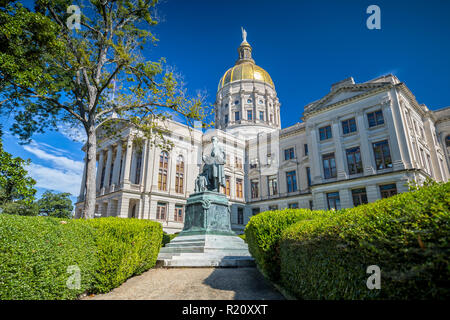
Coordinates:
359 143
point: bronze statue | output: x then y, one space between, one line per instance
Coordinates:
213 175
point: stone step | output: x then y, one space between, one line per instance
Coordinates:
186 243
182 249
230 262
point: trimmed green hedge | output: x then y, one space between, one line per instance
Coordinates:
125 247
263 234
166 238
35 253
406 235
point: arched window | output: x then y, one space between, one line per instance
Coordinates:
179 175
163 168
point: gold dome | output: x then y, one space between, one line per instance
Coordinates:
245 71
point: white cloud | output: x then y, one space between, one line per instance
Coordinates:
54 179
60 162
57 172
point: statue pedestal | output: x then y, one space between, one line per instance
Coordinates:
207 239
207 213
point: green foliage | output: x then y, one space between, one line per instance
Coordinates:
57 205
242 236
15 184
125 247
166 238
35 253
406 235
21 208
263 234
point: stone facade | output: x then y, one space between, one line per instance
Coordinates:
359 143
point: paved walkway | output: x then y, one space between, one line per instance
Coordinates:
195 284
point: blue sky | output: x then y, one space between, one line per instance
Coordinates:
304 45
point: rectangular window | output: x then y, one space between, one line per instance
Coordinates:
388 190
226 119
329 166
359 196
354 161
308 176
178 213
255 211
293 205
305 146
289 154
273 207
375 118
236 116
382 155
291 181
349 126
249 115
310 204
239 188
254 188
325 133
161 210
333 200
227 185
238 162
240 215
272 185
261 115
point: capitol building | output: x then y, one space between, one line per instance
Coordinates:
359 143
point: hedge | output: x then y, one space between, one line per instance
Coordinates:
406 235
35 253
166 238
125 247
263 234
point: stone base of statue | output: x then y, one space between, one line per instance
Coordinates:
207 239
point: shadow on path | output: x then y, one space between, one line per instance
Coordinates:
246 283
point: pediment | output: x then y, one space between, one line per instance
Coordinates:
343 94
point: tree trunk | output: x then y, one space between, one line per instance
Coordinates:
91 152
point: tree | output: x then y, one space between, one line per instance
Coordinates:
51 74
15 184
57 205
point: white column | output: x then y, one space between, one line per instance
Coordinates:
365 146
100 169
316 162
400 130
108 167
83 183
394 142
144 161
116 170
127 164
340 161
